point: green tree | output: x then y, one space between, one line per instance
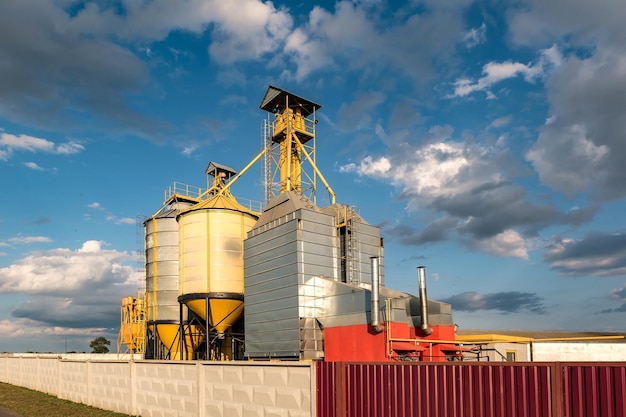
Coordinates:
99 345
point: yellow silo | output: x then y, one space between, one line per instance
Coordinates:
162 280
211 258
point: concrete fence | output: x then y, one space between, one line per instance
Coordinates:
171 388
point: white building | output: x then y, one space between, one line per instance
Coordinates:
541 346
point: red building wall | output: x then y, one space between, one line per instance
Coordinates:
361 343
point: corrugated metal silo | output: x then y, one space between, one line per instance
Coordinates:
211 264
162 279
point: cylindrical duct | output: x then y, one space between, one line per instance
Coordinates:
375 294
421 281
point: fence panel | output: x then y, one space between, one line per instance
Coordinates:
594 390
434 390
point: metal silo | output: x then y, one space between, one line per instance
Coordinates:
162 280
211 262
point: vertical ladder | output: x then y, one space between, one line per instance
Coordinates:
352 244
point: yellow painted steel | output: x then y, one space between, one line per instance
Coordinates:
287 146
211 258
223 312
290 130
169 335
133 324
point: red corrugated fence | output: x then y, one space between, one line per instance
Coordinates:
479 389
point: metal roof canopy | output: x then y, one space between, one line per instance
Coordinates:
275 100
214 168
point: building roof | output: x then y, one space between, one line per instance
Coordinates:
535 336
275 99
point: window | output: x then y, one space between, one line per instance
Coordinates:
511 355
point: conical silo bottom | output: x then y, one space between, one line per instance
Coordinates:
222 311
168 334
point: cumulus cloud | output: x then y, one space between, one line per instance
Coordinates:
70 62
508 243
505 302
23 334
65 271
581 148
597 254
71 288
467 187
351 38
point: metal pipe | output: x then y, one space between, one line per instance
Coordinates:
375 295
421 281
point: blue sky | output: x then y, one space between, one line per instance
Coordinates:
486 139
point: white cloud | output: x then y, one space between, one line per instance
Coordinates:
69 148
188 150
373 167
494 72
351 167
70 290
506 244
30 239
125 220
33 166
12 143
435 170
66 271
241 29
21 329
25 143
500 122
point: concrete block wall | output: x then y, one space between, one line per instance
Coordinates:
171 388
29 375
48 371
111 386
74 381
166 387
257 391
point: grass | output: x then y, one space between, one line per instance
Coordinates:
29 403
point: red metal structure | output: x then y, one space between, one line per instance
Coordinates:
359 343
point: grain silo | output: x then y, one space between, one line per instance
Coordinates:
312 276
162 277
211 237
